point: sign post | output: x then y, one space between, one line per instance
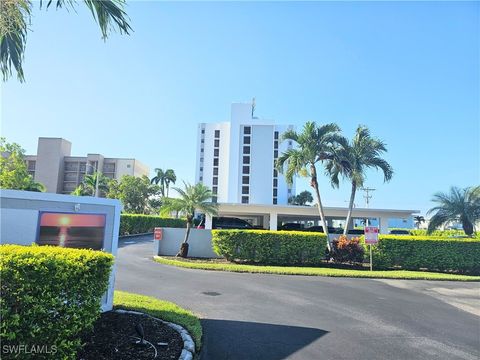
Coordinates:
371 238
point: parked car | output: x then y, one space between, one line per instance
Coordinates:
331 230
227 223
399 232
291 227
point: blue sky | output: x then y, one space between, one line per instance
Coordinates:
409 71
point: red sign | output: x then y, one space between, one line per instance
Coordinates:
157 233
371 235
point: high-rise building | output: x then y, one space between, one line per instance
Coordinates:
61 173
236 159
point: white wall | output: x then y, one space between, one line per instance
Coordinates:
200 243
261 168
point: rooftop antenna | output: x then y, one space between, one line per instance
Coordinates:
367 195
253 106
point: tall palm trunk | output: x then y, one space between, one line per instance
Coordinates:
467 227
314 184
350 207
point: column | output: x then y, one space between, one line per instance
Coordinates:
266 221
273 221
383 225
208 222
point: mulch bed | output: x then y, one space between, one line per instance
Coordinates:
114 337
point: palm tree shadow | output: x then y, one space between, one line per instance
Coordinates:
227 339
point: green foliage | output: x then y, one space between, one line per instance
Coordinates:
134 193
301 199
165 178
49 296
161 309
15 17
270 247
347 250
138 224
89 185
427 252
314 271
13 169
461 205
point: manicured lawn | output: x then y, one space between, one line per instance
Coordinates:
315 271
161 309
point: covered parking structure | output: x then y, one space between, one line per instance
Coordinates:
272 216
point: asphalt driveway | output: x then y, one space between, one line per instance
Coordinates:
273 317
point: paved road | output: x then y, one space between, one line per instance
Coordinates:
260 316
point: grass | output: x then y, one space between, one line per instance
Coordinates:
161 309
316 271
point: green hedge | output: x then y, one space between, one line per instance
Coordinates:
137 224
270 247
49 296
427 252
440 233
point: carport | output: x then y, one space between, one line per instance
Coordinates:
271 216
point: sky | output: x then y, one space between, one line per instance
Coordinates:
410 71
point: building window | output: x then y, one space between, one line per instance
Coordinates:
289 142
246 159
275 182
216 143
246 139
215 162
247 130
201 178
215 171
201 150
214 199
215 189
203 131
217 133
245 190
215 181
201 168
276 135
275 201
216 152
244 199
275 154
275 144
246 149
275 191
275 173
201 160
246 169
245 179
202 141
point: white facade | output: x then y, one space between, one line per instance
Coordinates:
236 159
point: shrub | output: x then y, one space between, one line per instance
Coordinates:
49 296
347 251
270 247
427 252
438 233
138 224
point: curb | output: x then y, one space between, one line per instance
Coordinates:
134 235
188 350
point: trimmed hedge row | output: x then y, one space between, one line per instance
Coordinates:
49 295
270 247
427 252
137 224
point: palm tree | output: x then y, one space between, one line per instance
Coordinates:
418 220
15 20
192 198
35 186
315 144
170 177
459 205
159 178
89 184
353 159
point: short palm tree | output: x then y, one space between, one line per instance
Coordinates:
192 198
15 20
160 177
170 177
418 220
352 160
315 144
89 184
35 186
459 205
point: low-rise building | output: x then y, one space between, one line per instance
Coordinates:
61 173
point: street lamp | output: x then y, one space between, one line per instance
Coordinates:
96 177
